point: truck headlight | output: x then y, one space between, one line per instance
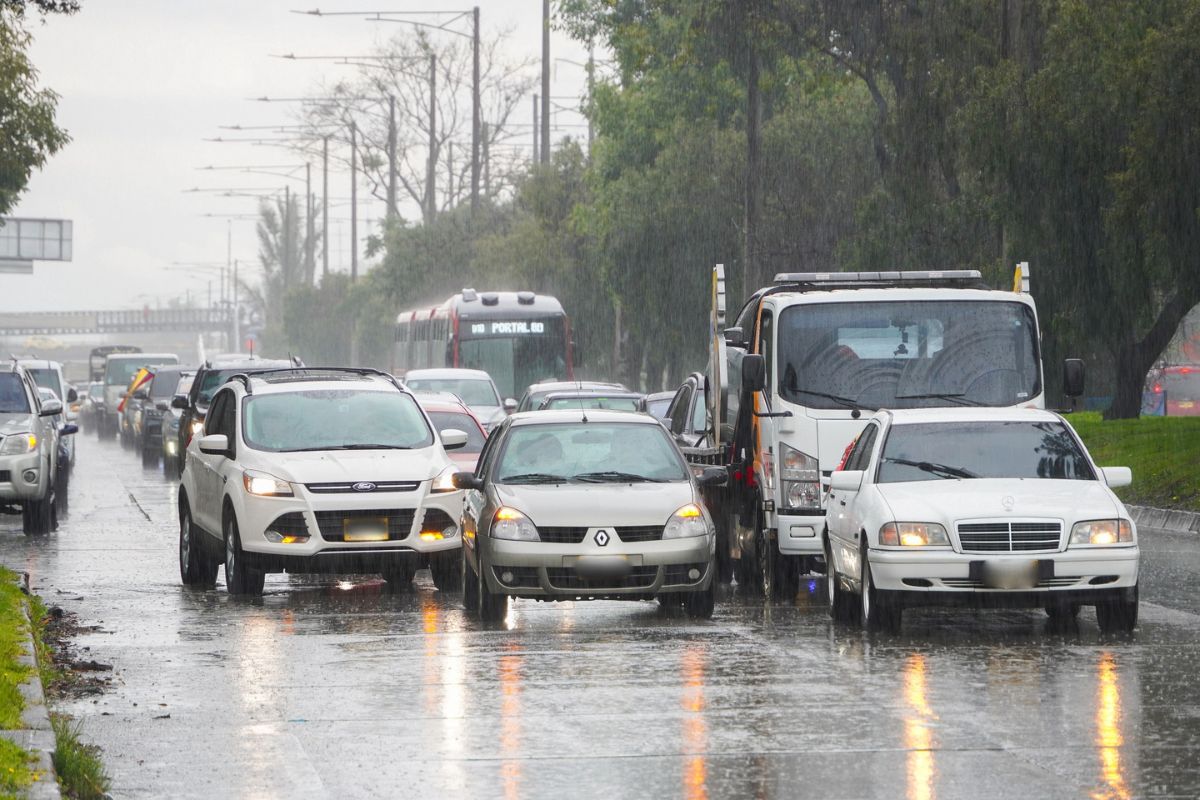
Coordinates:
1102 532
913 534
801 478
685 522
265 485
508 523
19 444
444 482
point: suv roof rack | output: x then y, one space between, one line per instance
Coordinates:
816 281
302 373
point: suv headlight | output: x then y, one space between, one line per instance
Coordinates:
508 523
913 534
444 482
19 444
687 521
801 478
1102 532
265 485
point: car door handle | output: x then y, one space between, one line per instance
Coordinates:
225 479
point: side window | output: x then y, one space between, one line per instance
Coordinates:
228 418
699 413
212 421
862 453
683 405
766 338
487 455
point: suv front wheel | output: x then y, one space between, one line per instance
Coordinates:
196 567
240 578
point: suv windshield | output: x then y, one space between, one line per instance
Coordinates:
12 394
589 452
473 392
942 450
334 419
915 354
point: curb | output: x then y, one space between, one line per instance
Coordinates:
1165 519
37 736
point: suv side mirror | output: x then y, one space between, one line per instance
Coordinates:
453 438
214 444
51 408
754 373
179 401
510 405
1073 377
466 480
72 396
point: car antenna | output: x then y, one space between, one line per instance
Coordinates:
582 409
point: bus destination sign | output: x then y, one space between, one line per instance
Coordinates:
515 328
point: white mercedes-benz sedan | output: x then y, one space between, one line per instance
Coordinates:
984 507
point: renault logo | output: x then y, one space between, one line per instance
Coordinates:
363 486
601 537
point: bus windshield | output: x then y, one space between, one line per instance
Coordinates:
517 361
917 354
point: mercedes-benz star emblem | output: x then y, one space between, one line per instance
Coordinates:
1008 501
602 537
363 486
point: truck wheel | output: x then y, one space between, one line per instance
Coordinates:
765 555
1120 613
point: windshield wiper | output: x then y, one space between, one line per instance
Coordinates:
615 476
958 397
936 469
533 477
349 447
837 398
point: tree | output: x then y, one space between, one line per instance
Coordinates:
28 133
282 245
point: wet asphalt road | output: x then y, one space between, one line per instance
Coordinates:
338 689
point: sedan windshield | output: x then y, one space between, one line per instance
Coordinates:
473 392
966 450
916 354
334 420
589 452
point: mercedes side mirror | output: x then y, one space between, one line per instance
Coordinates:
1116 477
754 373
453 438
1073 373
846 480
466 480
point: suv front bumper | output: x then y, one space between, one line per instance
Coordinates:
13 486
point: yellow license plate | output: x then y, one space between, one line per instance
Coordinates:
1186 404
365 529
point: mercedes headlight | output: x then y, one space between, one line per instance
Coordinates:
801 478
687 521
508 523
1102 532
265 485
913 534
19 444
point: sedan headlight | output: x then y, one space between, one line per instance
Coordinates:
687 521
265 485
1102 532
19 444
444 482
913 534
801 478
513 525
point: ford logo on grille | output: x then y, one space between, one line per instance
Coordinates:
363 486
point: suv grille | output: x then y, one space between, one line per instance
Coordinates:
562 535
641 533
568 578
5 476
1009 537
400 522
343 486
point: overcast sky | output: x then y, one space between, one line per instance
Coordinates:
142 82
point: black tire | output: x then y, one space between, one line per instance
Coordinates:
765 557
171 466
36 516
399 576
239 578
787 575
149 455
1120 613
669 599
61 487
196 567
446 572
489 606
107 429
470 583
700 605
1062 612
842 607
877 609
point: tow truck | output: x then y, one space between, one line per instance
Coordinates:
790 383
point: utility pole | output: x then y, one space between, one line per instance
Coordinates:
476 121
431 168
751 278
545 82
309 262
237 322
287 235
591 86
353 202
450 174
536 158
391 154
325 206
487 182
228 258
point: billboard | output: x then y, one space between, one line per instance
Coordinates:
23 241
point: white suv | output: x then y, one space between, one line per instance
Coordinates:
318 471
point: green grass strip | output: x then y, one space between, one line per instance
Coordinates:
1163 452
13 633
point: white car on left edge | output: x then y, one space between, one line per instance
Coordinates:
982 507
318 470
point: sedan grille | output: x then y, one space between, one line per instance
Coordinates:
641 533
1009 537
562 535
568 578
348 486
332 523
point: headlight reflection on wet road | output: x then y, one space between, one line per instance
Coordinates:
695 726
1108 731
918 734
510 720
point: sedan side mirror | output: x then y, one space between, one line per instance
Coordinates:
453 438
510 405
68 429
51 408
713 477
846 480
214 444
466 480
179 401
1117 477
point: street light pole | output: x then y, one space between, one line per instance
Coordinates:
476 121
545 81
353 202
431 171
325 206
536 159
391 187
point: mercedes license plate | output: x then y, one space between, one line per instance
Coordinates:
1010 574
